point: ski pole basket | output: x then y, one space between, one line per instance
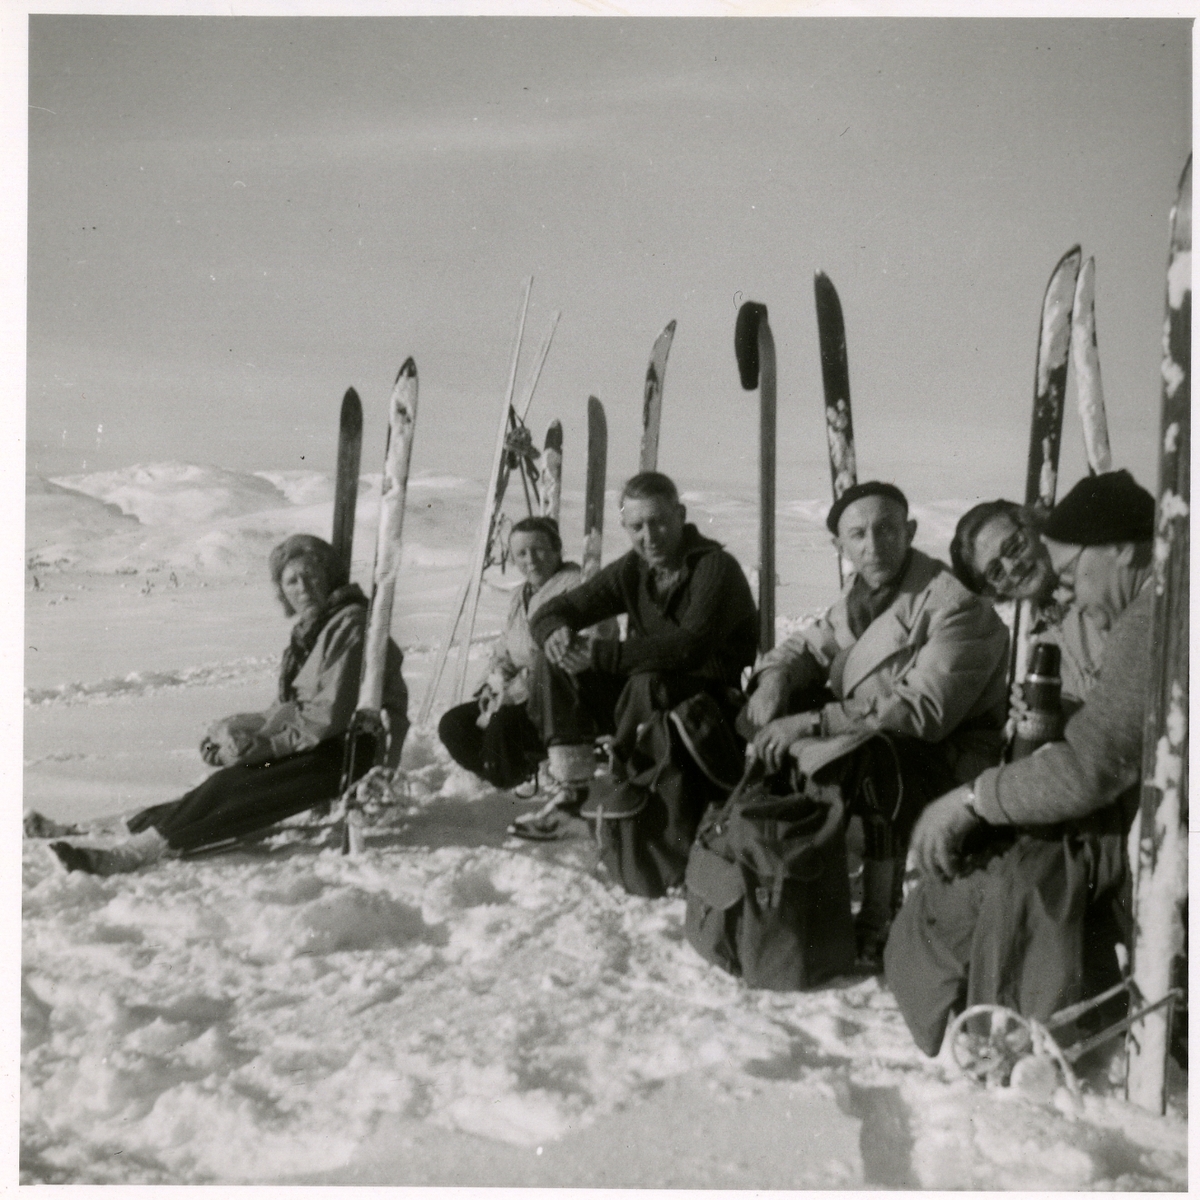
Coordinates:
988 1040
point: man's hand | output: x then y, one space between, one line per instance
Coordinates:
566 649
234 740
939 833
557 644
771 742
768 698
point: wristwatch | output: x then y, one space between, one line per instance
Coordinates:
969 804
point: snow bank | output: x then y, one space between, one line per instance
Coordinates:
257 1017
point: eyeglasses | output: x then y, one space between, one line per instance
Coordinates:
1012 549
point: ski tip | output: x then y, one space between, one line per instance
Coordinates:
352 415
669 327
595 412
745 341
1075 252
829 307
823 285
1181 216
408 370
554 439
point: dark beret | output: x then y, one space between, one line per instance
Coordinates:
871 488
1102 509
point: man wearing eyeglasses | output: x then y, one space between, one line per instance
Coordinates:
897 693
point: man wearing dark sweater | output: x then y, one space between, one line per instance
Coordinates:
692 627
1025 917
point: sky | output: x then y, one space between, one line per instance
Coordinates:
232 220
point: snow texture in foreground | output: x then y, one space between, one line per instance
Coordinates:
253 1017
263 1016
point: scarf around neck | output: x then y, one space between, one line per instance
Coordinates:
305 633
863 604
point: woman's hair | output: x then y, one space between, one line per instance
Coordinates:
962 545
546 526
650 485
315 550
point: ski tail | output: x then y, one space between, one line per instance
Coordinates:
368 714
1085 364
1045 433
345 495
597 472
497 483
656 374
402 416
835 380
552 472
1161 866
754 347
1050 383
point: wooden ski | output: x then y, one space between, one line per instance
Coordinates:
1161 870
402 417
1045 434
656 373
345 493
1085 365
754 346
835 378
597 474
497 483
1050 384
552 472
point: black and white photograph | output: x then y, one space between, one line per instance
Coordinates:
603 595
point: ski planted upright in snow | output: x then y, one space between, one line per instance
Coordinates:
345 493
1045 434
1085 363
593 501
1161 870
835 378
467 600
552 472
1050 384
402 418
656 372
754 346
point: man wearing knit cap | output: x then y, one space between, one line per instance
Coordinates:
897 693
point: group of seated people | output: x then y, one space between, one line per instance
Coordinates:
898 694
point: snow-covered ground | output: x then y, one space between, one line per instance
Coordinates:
451 1006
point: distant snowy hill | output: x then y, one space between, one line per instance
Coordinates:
212 520
184 516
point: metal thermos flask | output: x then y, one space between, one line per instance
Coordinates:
1042 721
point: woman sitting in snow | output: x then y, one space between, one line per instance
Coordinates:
492 735
287 759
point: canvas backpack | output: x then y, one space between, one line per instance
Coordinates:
768 894
646 813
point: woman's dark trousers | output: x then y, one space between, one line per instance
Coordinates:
505 753
236 801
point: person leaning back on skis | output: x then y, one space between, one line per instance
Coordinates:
896 694
280 762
